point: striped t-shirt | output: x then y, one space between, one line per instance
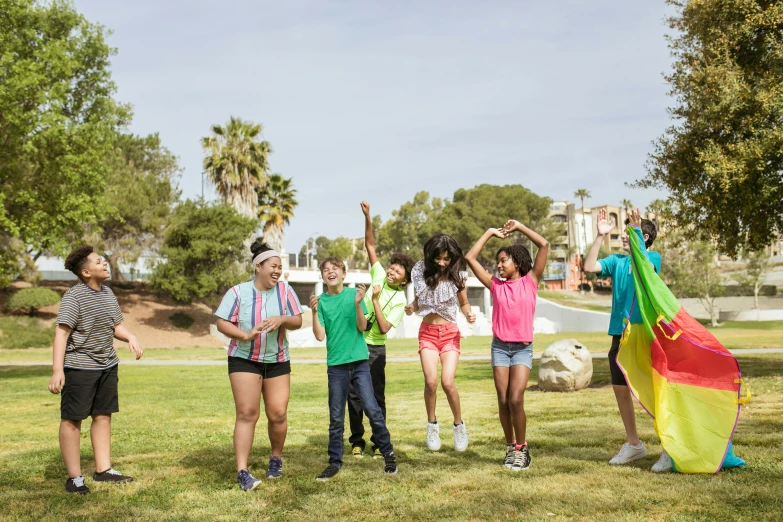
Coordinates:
245 306
92 316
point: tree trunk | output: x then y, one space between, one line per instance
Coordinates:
114 267
756 288
273 235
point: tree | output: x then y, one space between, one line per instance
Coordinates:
690 271
203 250
582 194
237 162
755 273
57 124
626 203
140 192
660 209
721 159
276 204
31 299
407 230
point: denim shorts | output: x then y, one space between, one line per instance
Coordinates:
511 354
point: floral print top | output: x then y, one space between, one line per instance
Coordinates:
441 300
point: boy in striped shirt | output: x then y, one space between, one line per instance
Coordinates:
84 366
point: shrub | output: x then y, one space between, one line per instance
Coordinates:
31 299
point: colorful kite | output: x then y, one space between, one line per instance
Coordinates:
686 380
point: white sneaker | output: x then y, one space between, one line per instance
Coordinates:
629 453
460 437
663 465
433 436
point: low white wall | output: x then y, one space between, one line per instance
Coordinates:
572 319
751 315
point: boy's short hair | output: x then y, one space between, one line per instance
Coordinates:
334 261
77 259
405 261
648 229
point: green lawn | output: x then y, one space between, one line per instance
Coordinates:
174 435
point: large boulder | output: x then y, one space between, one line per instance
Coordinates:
565 366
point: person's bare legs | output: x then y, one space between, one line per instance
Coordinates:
625 405
448 369
247 400
429 365
518 377
276 393
70 433
100 433
501 387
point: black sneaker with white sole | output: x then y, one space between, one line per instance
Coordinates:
390 464
330 471
76 485
521 459
111 475
511 451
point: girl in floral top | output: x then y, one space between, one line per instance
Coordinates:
439 281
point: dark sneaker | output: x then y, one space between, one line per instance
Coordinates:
111 475
76 485
521 459
510 453
390 464
357 452
247 481
330 471
377 454
275 469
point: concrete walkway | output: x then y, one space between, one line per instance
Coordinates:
185 362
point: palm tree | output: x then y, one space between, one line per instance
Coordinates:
582 194
657 207
236 161
276 203
626 203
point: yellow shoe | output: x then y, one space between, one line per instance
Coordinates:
357 452
377 454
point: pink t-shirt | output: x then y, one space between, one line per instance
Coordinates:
513 308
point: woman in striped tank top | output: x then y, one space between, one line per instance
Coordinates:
256 315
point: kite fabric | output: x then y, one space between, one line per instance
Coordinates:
681 375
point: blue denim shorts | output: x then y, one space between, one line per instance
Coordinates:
511 354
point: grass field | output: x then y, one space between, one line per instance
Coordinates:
174 435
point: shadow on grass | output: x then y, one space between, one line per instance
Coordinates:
23 372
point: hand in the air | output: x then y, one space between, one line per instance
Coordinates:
314 303
604 227
365 208
360 291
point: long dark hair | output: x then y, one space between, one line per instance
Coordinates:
432 272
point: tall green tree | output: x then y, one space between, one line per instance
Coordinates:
58 119
141 191
409 226
203 251
237 161
721 160
276 204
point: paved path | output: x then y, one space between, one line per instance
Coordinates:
185 362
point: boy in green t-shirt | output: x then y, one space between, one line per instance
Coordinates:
338 316
386 304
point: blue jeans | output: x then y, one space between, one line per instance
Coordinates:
340 378
511 354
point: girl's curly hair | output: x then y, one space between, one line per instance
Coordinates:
432 272
520 256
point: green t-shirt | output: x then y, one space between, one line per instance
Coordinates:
392 305
344 342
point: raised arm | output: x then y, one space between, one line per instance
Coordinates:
472 256
369 239
539 263
318 329
383 325
603 227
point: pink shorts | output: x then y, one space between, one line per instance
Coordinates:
439 337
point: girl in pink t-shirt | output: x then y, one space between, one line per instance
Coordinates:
514 305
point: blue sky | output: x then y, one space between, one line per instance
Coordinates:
378 100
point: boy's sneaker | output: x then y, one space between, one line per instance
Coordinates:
275 469
111 475
76 485
433 436
629 453
330 471
357 452
377 454
663 465
390 464
510 453
521 459
460 437
247 481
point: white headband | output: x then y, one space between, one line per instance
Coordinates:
263 256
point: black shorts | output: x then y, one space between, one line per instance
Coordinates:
265 370
618 378
89 392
